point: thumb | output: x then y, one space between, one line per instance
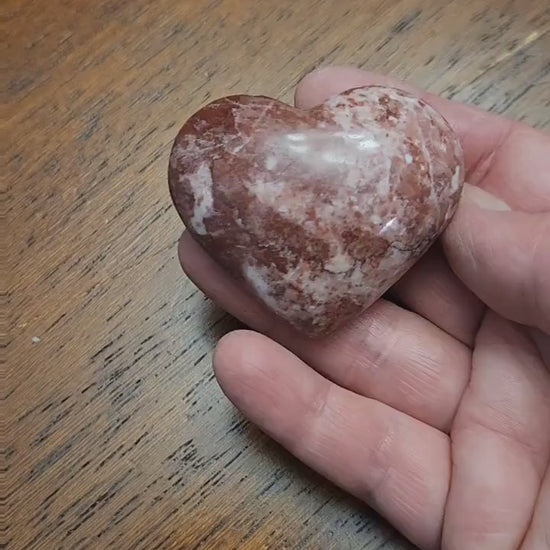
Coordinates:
502 256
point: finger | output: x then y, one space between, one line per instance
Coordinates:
501 441
431 289
388 353
396 464
503 257
508 158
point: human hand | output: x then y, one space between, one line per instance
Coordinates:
434 405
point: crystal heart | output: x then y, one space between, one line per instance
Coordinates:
317 212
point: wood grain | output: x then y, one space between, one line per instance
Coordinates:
116 432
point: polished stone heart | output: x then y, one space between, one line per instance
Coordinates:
317 212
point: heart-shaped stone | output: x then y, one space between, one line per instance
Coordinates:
317 212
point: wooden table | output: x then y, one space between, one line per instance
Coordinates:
118 435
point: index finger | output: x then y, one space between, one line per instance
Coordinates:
505 157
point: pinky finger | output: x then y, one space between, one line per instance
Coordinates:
397 464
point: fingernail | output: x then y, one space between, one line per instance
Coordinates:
482 198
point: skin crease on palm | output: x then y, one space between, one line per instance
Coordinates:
433 407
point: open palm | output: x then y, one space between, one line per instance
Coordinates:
433 406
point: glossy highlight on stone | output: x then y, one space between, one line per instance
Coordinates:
317 212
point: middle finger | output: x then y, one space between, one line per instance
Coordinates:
387 353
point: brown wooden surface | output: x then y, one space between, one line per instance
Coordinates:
117 434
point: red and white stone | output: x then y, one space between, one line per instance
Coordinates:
317 212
